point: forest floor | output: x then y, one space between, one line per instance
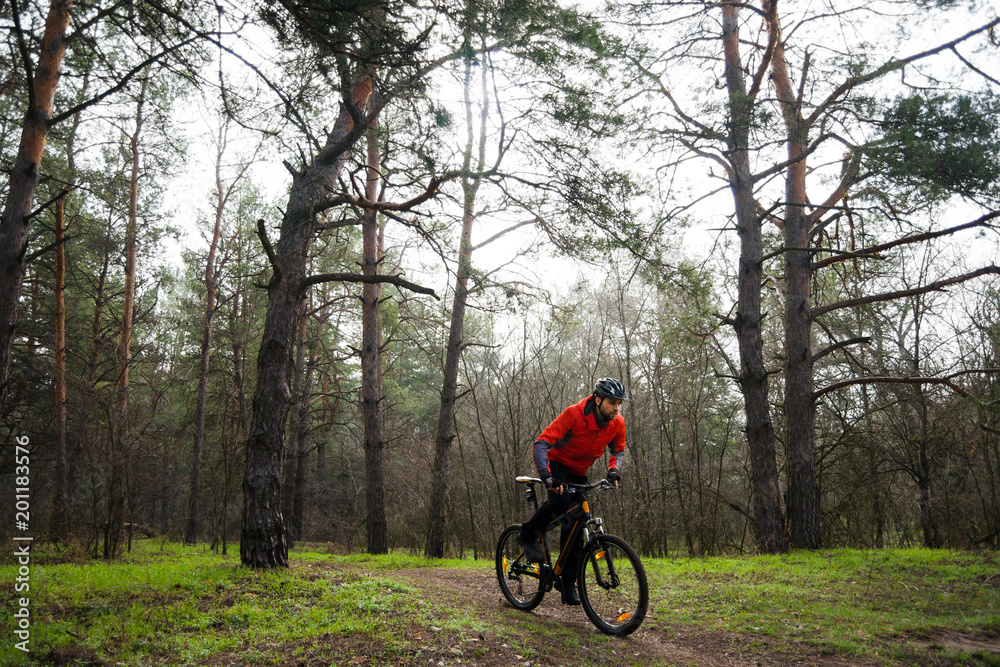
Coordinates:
177 605
557 634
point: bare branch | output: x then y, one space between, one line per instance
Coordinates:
765 62
774 169
709 132
889 379
269 249
345 222
361 278
936 286
432 190
893 65
41 209
913 238
850 172
840 253
973 67
842 344
504 233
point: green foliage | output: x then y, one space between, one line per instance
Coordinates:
346 32
940 146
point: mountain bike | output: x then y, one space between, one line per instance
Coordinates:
610 578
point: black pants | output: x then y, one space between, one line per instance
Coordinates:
559 503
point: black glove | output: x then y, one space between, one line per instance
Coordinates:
553 484
613 476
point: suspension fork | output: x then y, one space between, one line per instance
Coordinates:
611 579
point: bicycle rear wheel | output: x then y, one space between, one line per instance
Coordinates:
613 585
520 581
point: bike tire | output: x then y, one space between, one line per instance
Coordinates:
520 581
612 585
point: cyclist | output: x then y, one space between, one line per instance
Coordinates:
563 453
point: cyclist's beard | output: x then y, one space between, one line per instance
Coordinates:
602 416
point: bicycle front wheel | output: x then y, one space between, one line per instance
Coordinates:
613 585
520 581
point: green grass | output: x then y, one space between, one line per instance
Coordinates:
170 604
849 600
396 561
184 604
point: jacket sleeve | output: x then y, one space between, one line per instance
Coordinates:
541 454
555 435
616 450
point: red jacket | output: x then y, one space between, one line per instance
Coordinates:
575 440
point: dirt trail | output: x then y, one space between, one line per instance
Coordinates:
544 642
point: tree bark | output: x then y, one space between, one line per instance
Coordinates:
60 492
238 414
302 449
800 404
371 366
769 523
118 447
24 178
262 538
328 415
291 465
59 375
201 402
441 473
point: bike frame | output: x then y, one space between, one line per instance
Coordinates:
525 583
579 513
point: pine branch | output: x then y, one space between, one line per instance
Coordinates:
29 74
124 81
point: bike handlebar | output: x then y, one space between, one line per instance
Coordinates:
602 484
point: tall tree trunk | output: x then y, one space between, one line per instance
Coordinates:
442 470
301 449
237 410
371 365
291 464
262 537
91 432
769 523
24 179
916 401
201 402
96 325
681 503
328 415
800 403
60 492
59 375
118 455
